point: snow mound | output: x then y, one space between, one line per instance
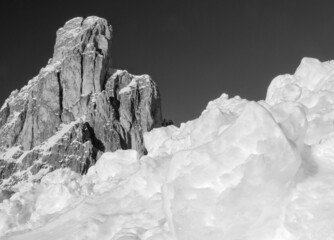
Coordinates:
242 171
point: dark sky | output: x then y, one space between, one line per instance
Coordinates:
194 50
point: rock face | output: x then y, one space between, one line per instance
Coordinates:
76 108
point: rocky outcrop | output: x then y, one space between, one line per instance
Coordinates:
76 108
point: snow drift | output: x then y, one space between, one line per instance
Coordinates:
243 170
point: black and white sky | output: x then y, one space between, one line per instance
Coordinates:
194 49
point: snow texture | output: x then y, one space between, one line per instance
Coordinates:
243 170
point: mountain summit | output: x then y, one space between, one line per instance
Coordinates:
76 108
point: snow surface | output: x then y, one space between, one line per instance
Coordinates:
242 171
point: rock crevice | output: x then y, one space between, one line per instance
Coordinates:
60 96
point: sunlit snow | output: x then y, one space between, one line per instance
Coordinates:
243 170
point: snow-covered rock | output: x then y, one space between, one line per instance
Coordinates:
76 108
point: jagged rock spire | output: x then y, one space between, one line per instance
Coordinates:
76 108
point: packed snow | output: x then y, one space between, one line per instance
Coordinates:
243 170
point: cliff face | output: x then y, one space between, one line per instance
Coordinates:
76 108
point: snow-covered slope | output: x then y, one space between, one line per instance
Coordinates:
243 170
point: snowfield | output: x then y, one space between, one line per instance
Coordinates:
243 170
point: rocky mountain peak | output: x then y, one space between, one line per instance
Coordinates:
83 35
76 108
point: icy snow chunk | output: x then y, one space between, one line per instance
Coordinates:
130 207
60 189
283 88
159 140
311 72
239 180
291 118
33 205
311 77
116 165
